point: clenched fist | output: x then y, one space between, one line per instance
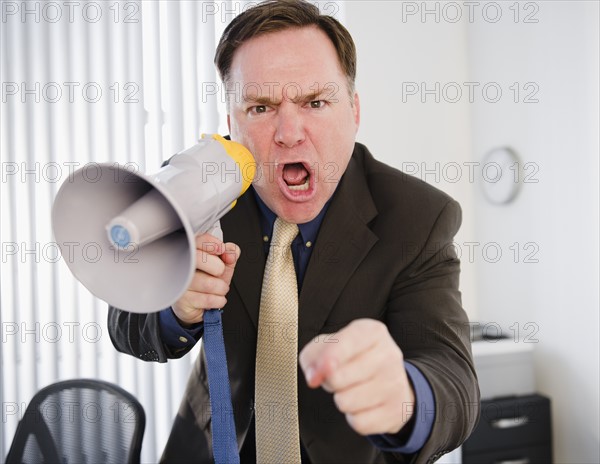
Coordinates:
215 263
364 369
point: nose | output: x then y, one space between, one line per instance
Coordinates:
290 126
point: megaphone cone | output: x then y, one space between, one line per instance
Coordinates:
135 234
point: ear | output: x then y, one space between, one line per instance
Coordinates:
229 124
356 110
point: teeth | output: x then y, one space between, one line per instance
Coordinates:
303 186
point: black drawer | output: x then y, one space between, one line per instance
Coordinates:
511 423
531 455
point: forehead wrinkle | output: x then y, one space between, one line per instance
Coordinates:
262 100
312 59
266 100
308 97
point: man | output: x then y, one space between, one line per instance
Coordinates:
385 369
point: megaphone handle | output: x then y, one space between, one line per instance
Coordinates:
224 440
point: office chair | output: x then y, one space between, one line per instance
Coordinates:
79 421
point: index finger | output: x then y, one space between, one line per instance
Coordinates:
321 357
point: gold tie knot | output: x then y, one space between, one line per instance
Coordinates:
284 233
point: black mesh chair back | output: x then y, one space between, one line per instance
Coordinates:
80 421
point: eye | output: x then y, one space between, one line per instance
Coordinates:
258 109
316 104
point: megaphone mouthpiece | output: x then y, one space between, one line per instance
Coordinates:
149 218
119 234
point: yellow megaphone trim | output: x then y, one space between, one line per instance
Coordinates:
243 158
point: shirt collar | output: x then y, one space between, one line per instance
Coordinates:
308 230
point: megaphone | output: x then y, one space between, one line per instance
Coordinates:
137 232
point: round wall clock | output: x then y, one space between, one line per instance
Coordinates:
501 175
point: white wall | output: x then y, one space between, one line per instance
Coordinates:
559 294
551 51
427 139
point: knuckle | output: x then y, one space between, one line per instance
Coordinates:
218 301
373 327
202 283
379 327
341 401
195 301
211 265
201 259
305 356
233 249
327 387
216 286
388 360
338 378
358 423
206 245
219 267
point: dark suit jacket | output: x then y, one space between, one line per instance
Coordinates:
383 252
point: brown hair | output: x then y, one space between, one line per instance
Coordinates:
278 15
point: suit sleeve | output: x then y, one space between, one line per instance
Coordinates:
140 335
426 319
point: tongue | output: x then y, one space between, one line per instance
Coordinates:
294 174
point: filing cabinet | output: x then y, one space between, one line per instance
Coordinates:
511 430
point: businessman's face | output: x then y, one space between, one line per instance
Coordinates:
289 104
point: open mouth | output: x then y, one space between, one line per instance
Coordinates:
296 181
296 177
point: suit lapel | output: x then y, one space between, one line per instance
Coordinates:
242 227
343 241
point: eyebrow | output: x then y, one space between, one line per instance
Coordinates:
312 96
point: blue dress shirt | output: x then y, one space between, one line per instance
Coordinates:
414 435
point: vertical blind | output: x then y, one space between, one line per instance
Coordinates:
87 82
